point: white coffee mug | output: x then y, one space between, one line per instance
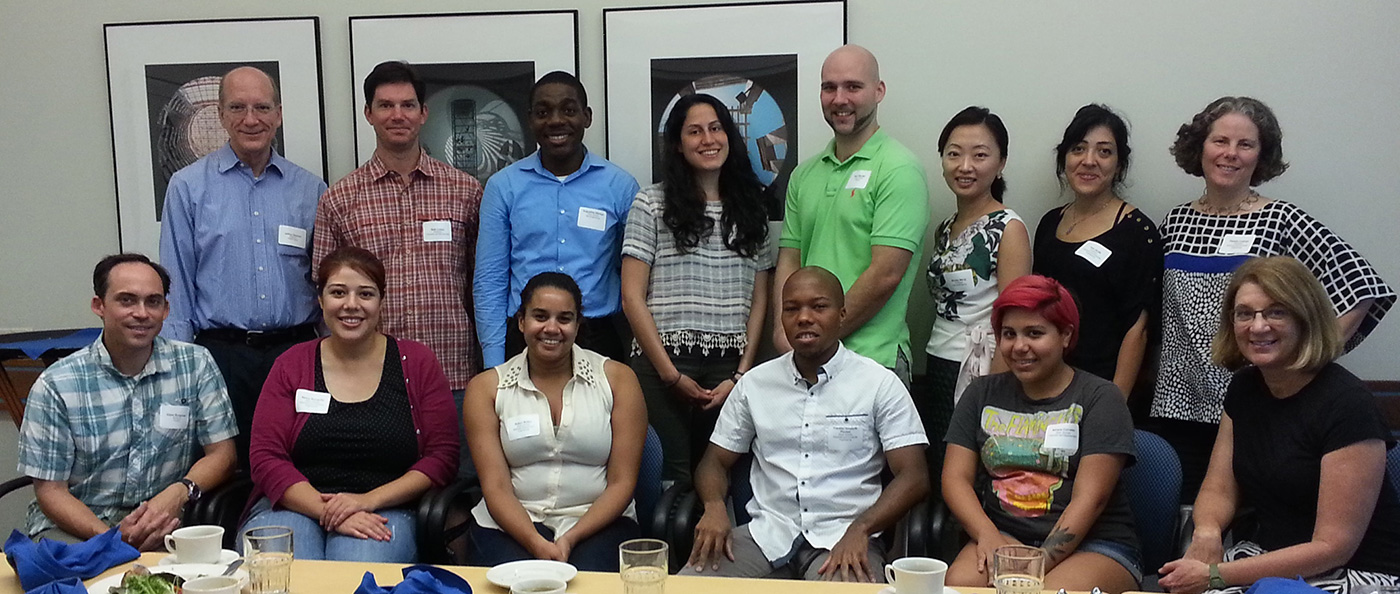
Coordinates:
196 544
916 575
213 584
538 586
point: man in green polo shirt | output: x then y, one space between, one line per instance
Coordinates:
858 209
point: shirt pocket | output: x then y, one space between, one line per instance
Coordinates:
850 436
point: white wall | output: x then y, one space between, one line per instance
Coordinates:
1330 69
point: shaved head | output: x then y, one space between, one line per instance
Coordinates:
249 74
822 280
856 57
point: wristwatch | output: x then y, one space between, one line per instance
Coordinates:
195 491
1216 582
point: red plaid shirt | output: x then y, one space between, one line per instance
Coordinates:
429 293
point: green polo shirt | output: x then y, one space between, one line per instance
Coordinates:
836 211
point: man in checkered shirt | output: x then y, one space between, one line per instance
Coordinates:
110 432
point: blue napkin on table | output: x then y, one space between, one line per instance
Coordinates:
70 585
49 560
419 579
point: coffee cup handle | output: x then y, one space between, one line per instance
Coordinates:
170 544
889 574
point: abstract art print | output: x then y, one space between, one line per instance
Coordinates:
766 68
477 93
163 85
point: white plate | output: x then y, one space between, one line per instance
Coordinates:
505 574
188 571
226 556
946 590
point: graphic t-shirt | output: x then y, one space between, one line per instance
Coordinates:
1026 480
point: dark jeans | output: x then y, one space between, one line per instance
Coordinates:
1193 443
935 406
491 547
684 428
609 336
245 368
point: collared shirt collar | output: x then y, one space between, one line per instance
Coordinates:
535 164
866 152
517 372
378 170
160 361
825 372
227 160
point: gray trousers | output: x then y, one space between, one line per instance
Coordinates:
803 563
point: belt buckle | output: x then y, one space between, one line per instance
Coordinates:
253 338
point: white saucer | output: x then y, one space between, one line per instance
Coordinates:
225 557
188 571
506 574
890 590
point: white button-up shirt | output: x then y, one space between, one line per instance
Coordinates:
819 449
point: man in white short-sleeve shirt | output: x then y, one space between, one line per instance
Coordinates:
822 422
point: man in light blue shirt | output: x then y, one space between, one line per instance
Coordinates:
236 237
561 209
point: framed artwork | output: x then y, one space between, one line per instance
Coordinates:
766 68
477 69
163 87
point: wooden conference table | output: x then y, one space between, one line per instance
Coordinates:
341 577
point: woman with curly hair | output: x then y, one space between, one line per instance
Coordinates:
1235 144
695 267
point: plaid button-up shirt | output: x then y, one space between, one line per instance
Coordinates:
100 431
429 295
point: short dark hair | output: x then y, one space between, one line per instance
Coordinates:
355 258
974 116
388 73
1086 119
563 78
1191 137
552 280
101 274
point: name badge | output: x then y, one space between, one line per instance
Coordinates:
958 281
313 402
1235 244
592 218
522 426
1094 252
173 416
858 179
437 231
292 236
1061 438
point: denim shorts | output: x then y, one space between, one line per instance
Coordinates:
1127 556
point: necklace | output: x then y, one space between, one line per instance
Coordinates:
1241 205
1083 218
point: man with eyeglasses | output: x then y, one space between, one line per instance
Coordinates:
236 237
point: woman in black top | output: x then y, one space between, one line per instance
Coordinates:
1104 250
1301 441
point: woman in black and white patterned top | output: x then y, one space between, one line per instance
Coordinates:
1235 144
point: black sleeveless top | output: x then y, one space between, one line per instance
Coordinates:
358 447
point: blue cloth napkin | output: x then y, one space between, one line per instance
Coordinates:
70 585
1278 585
49 560
419 579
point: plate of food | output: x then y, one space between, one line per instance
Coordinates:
506 574
161 580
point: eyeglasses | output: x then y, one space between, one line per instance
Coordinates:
260 109
1271 314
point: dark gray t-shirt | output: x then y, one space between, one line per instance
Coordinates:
1024 487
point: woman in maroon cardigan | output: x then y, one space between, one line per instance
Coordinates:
352 429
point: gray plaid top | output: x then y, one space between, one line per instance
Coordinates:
701 298
97 429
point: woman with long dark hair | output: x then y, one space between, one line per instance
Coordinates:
695 266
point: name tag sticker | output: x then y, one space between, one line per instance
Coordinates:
437 231
292 236
1094 252
313 402
173 416
592 218
958 281
522 426
1235 244
858 179
1061 438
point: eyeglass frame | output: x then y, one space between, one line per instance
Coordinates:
1272 314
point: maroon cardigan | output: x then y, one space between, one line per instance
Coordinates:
276 424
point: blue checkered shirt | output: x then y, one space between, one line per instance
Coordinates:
95 428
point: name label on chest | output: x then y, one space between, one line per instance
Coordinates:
313 402
1094 252
522 426
173 416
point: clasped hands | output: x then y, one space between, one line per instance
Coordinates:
353 514
688 389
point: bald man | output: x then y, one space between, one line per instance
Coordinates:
236 237
858 209
822 422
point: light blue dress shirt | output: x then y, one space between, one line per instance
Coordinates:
533 222
227 239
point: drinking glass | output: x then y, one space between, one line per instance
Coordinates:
267 554
644 566
1018 569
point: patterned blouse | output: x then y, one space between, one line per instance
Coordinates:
962 277
1202 253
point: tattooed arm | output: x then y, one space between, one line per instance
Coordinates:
1093 486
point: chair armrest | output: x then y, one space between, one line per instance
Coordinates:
945 532
15 484
223 506
434 509
917 530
